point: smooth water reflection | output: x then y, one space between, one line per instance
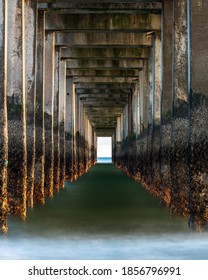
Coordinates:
103 215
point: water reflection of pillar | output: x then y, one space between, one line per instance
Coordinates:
3 118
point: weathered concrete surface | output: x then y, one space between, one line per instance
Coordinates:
105 53
167 59
69 128
181 55
199 46
3 116
102 73
104 64
31 67
62 120
113 61
90 40
103 22
39 192
56 122
17 168
49 112
107 6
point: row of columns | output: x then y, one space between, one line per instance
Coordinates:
169 108
39 114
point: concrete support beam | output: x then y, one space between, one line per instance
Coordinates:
97 91
105 53
102 73
103 22
104 86
100 64
104 97
39 192
17 181
89 40
103 80
31 17
49 112
3 115
106 6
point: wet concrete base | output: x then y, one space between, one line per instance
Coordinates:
173 167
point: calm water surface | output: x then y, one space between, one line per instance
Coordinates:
103 215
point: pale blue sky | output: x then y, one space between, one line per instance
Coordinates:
104 147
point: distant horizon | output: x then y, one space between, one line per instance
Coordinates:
104 147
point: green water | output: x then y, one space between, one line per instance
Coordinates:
103 215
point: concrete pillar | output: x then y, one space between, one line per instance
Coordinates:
62 120
69 128
199 46
56 128
89 143
135 110
130 115
167 29
17 169
198 100
138 106
95 145
155 158
179 166
167 83
180 59
76 136
118 142
49 111
118 129
126 122
31 17
3 115
81 139
145 95
158 78
39 192
122 126
93 153
150 113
